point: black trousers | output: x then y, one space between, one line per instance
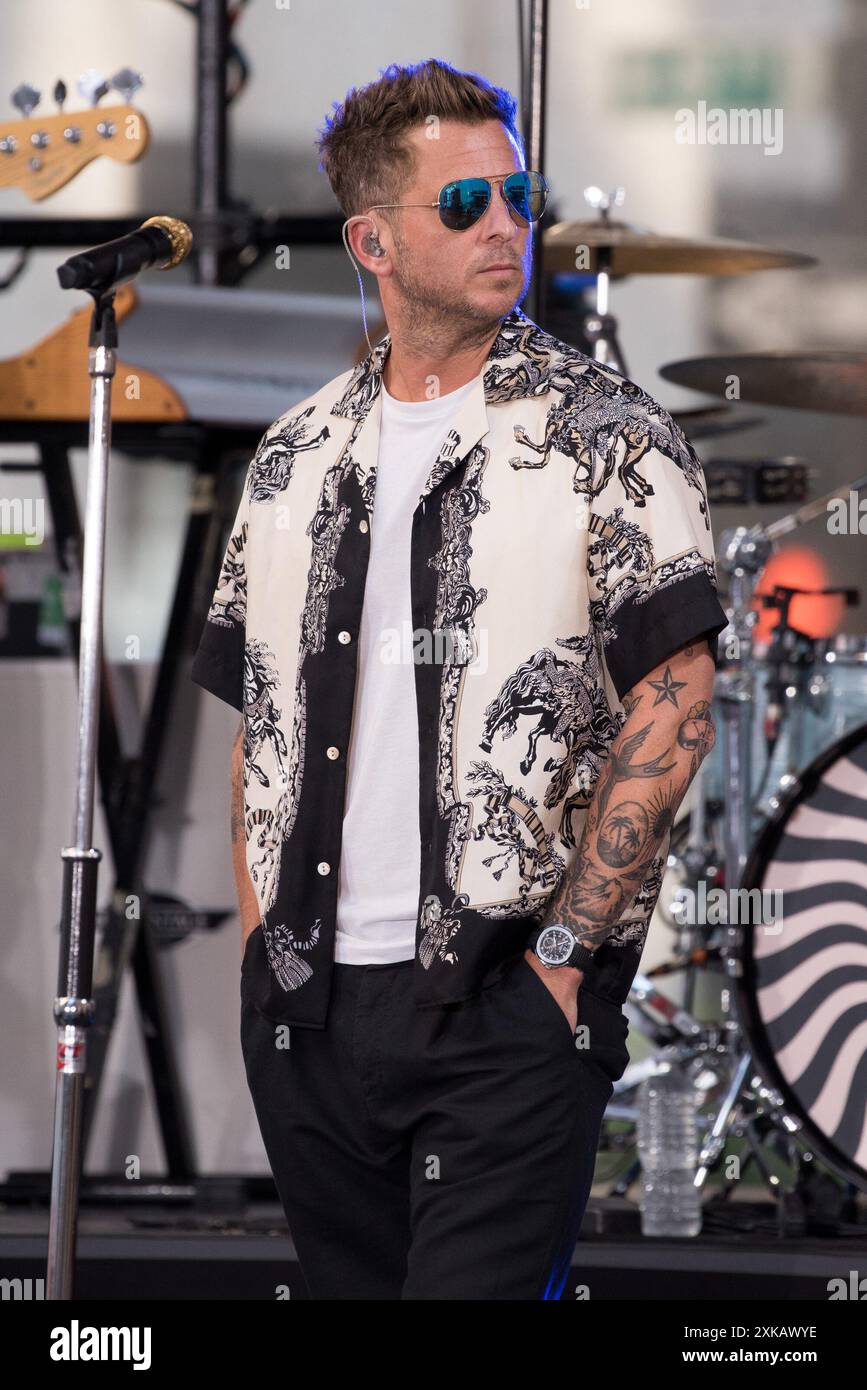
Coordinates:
442 1153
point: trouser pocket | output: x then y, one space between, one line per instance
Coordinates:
543 1003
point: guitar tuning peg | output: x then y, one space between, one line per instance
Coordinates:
127 81
25 98
60 92
92 85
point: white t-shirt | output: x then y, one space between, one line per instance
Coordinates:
380 862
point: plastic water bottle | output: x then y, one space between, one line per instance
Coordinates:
668 1149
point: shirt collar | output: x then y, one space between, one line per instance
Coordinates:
361 400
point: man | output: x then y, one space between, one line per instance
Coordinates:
465 610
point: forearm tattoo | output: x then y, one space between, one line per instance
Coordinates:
637 794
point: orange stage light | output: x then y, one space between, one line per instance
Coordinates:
816 614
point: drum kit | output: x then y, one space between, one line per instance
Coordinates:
774 848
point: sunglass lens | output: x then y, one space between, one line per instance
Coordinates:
527 193
463 202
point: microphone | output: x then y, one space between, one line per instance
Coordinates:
160 241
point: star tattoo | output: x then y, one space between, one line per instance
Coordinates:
667 687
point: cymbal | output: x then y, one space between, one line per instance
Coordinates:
631 251
829 381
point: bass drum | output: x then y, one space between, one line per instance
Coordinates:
802 992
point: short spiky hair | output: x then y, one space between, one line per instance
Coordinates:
362 147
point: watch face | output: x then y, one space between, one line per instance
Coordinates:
554 946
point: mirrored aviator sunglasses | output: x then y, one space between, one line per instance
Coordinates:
462 202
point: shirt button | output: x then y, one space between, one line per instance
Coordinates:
344 637
323 868
333 752
362 526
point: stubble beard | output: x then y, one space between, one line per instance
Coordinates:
432 314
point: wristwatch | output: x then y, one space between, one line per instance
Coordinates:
556 945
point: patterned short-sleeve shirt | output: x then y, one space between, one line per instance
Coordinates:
561 548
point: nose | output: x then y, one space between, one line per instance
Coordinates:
498 215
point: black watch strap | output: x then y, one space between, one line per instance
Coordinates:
581 956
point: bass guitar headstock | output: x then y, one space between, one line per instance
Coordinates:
39 154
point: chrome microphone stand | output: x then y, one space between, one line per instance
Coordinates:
73 1007
164 242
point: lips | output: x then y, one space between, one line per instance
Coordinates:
498 267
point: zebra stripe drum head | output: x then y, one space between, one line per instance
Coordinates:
803 990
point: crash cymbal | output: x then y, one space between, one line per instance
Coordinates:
829 381
625 250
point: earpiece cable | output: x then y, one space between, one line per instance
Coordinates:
358 217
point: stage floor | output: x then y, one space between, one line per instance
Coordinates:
244 1250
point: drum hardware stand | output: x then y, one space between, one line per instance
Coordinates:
599 326
744 554
733 1113
791 659
749 1108
697 858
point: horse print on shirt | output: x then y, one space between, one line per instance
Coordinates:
601 414
261 715
272 468
567 700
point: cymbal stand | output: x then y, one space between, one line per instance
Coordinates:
600 327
